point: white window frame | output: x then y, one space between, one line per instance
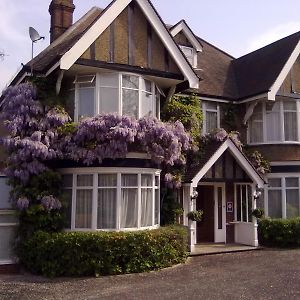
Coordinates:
155 92
281 118
248 186
205 110
155 173
283 188
194 57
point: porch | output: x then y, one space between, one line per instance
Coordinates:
218 248
225 187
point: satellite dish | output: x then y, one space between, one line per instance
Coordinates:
34 35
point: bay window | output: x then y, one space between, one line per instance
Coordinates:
125 94
274 122
103 200
282 197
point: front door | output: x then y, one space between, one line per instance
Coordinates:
205 202
211 200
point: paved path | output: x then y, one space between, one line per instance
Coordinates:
266 274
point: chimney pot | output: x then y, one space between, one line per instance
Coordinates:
61 12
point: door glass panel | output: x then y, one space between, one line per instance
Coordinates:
220 210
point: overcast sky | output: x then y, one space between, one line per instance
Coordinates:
235 26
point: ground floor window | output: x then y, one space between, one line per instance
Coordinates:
244 200
282 196
104 199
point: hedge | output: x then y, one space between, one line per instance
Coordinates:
103 253
279 232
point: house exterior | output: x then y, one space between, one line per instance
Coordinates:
124 59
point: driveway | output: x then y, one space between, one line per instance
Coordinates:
265 274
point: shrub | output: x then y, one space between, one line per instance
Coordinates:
103 253
195 215
279 232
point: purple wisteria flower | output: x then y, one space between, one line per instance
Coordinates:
50 203
220 135
22 203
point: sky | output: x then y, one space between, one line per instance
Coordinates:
235 26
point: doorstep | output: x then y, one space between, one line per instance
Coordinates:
218 248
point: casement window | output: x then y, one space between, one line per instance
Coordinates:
243 202
124 94
282 196
274 122
103 200
191 55
211 116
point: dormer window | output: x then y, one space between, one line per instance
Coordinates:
190 54
124 94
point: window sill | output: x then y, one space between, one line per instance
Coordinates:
273 143
112 230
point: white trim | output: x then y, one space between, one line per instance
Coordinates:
8 262
182 26
108 16
285 163
108 170
284 72
257 97
244 163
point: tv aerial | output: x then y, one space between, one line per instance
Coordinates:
35 37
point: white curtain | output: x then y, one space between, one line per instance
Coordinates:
107 208
273 121
146 207
290 126
129 206
86 101
211 121
274 204
83 218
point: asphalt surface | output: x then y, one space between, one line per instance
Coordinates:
264 274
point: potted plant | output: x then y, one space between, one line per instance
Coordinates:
195 215
258 213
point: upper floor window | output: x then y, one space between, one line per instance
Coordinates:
190 54
125 94
274 122
211 116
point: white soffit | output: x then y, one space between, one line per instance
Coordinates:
284 72
108 16
238 155
182 26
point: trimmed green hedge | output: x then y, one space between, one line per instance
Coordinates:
103 253
279 232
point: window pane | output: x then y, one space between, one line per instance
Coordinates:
146 207
157 104
290 126
211 121
107 180
83 218
244 203
238 202
211 106
84 180
289 105
5 190
157 206
292 203
220 209
107 208
292 182
147 105
109 80
109 100
274 182
256 128
273 126
146 180
274 204
249 191
129 204
146 86
130 102
130 81
86 102
156 180
129 180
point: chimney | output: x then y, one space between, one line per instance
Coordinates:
61 12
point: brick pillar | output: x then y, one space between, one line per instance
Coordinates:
61 12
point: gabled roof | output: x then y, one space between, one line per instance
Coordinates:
258 72
182 26
213 152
